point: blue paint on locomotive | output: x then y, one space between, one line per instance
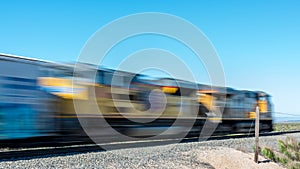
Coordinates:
18 121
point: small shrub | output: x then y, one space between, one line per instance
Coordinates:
296 166
288 155
268 153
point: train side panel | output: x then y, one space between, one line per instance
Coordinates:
24 108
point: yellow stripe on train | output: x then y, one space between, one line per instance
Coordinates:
263 106
169 89
63 88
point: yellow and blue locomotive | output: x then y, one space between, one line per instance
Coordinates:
40 98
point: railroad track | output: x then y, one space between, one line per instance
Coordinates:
17 154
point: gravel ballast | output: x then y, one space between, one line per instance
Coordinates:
230 153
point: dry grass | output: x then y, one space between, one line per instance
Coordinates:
288 154
286 126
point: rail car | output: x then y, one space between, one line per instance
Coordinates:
24 108
39 98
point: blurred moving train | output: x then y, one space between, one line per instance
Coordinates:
37 99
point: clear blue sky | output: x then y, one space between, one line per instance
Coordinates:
258 41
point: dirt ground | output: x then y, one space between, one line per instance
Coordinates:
228 158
